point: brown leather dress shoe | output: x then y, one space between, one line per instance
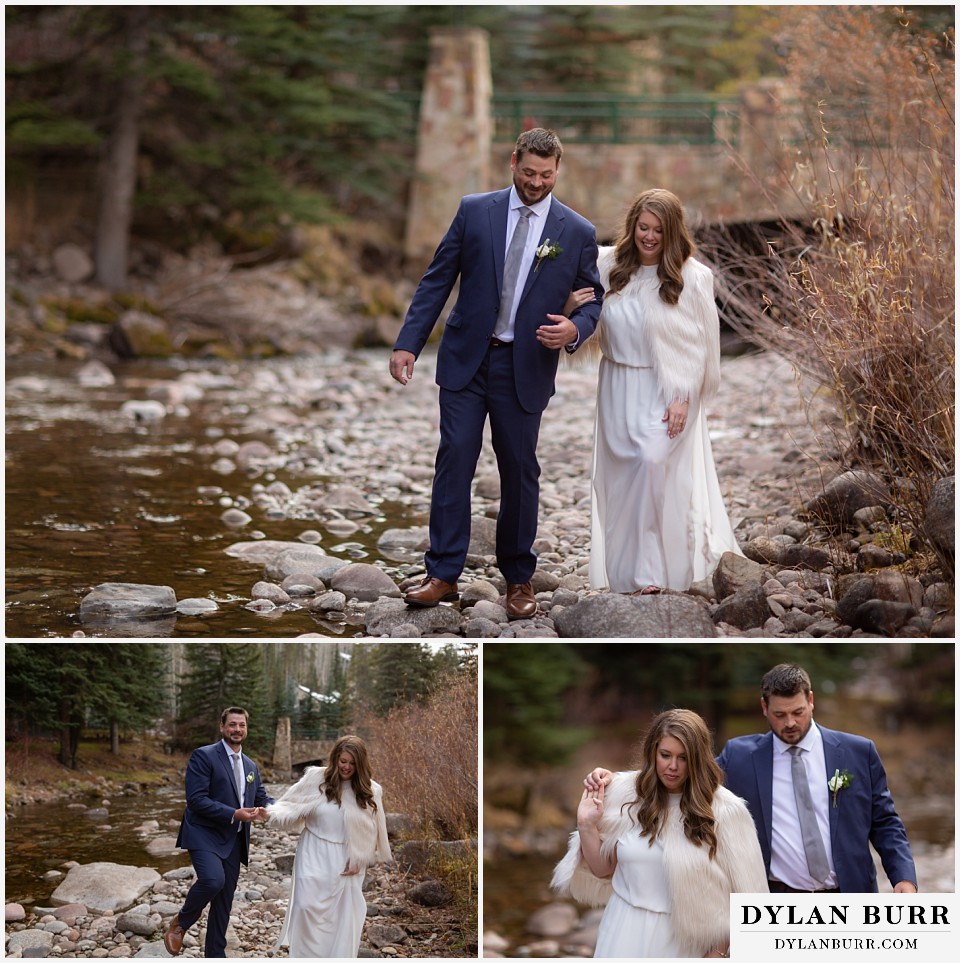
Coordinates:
521 603
431 591
173 938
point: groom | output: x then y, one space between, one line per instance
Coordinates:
224 794
518 253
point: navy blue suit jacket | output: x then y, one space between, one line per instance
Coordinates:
212 800
474 249
864 812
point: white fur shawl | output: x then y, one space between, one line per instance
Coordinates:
683 338
365 830
699 887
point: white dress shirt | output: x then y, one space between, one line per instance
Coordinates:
538 221
788 859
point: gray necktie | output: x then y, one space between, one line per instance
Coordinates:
238 776
511 270
812 840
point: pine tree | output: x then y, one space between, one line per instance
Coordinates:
218 675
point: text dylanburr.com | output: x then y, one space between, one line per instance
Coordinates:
825 926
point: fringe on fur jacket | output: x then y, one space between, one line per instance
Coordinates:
684 338
365 830
699 887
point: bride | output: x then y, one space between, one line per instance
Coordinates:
658 515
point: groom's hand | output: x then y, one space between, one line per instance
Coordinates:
401 366
246 815
558 334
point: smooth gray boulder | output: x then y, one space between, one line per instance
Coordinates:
128 600
105 887
613 616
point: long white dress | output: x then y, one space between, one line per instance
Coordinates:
658 516
637 922
327 910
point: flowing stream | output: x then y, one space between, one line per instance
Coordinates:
92 496
41 837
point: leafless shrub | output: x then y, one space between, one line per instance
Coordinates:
426 753
858 292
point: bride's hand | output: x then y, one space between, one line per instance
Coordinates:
590 809
577 299
676 417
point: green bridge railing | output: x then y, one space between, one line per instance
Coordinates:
618 119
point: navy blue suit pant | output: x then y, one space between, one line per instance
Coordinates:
216 883
514 433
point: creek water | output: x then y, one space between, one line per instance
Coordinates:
40 838
93 497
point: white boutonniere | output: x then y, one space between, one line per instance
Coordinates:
250 777
546 250
839 780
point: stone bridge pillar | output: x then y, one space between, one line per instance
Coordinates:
454 135
281 746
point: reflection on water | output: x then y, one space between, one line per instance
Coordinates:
93 497
42 837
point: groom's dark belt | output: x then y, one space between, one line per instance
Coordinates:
497 343
777 887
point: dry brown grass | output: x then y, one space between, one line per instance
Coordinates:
426 754
859 294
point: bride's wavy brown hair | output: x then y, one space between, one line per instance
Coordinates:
360 780
677 244
703 777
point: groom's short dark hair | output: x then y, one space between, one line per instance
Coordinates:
232 711
785 680
539 141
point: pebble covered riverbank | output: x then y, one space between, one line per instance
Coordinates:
330 440
123 911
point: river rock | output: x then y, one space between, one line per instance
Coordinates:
764 550
145 411
387 613
364 582
196 607
30 943
105 887
253 454
734 572
346 498
939 523
385 934
554 919
14 913
329 602
613 616
72 263
262 551
127 600
431 892
141 924
878 615
95 374
805 556
304 560
163 846
404 541
137 334
269 591
873 556
845 495
478 590
745 609
235 518
301 585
